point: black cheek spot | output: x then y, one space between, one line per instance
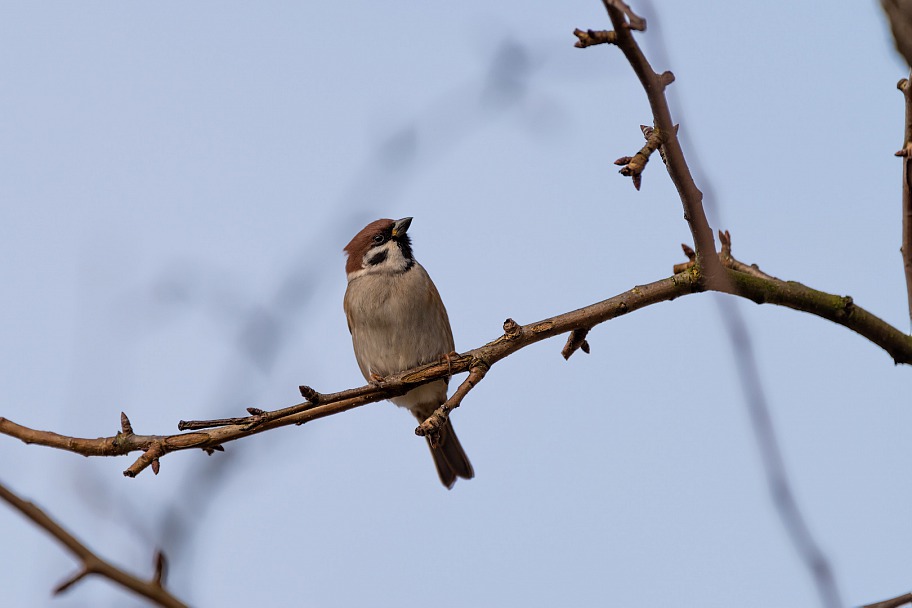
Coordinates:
377 258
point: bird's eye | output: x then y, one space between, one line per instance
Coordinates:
379 238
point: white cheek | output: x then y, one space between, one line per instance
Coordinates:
394 262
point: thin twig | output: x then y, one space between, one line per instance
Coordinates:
654 84
589 38
906 154
632 166
432 425
92 563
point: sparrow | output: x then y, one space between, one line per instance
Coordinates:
397 321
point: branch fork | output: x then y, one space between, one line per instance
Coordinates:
431 427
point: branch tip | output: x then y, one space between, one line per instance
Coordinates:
310 394
592 37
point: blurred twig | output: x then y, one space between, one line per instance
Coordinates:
152 589
899 14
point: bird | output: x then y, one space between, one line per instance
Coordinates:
398 321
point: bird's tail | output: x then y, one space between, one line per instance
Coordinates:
449 457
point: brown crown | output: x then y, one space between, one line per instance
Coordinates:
363 241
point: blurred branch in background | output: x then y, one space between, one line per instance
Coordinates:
152 589
899 14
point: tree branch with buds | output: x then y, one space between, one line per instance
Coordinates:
705 270
740 279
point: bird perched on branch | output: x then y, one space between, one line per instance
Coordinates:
397 321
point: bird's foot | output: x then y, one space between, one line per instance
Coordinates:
449 358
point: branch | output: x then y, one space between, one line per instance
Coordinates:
748 281
906 154
517 337
431 426
902 600
654 84
91 563
740 279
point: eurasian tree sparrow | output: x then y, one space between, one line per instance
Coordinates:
397 321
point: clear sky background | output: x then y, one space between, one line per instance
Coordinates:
177 181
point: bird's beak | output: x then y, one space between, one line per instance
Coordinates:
400 227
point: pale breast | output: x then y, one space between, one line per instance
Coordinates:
397 321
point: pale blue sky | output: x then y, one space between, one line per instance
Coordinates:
177 183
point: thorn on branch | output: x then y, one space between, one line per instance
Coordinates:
593 37
576 341
212 449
